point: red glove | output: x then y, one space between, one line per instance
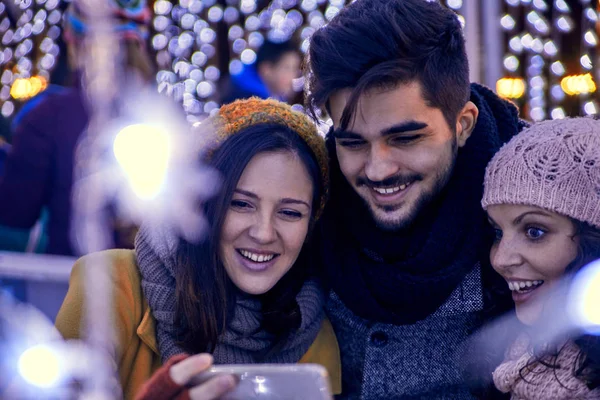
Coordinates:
161 386
169 382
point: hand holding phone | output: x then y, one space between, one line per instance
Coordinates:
172 380
271 381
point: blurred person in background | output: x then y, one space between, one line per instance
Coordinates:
39 168
542 197
271 76
247 294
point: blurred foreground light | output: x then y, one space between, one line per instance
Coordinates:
40 365
510 88
585 297
143 151
578 84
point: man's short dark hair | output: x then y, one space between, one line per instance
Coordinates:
383 43
272 52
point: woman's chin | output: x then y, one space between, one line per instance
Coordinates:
528 314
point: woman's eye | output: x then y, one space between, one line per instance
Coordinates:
535 233
240 204
497 235
290 214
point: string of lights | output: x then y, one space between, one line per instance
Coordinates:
199 42
29 30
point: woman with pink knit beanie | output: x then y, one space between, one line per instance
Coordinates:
542 196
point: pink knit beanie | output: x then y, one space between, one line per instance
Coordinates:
553 165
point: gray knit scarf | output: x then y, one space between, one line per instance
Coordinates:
245 340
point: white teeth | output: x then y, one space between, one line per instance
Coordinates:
518 286
257 257
391 190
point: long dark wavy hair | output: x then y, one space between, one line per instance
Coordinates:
587 366
205 295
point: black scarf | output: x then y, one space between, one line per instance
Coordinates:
403 277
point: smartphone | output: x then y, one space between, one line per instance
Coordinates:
273 381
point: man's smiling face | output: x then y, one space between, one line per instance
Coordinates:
397 152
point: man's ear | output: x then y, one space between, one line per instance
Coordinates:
465 123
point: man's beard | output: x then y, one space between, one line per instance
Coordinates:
404 221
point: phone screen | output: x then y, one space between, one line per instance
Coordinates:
273 381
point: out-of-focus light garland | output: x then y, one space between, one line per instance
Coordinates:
29 30
188 38
535 53
589 41
189 49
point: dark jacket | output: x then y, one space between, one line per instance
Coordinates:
417 358
39 167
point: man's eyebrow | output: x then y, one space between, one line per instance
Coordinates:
345 134
407 126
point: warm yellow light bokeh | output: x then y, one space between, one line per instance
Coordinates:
578 84
510 88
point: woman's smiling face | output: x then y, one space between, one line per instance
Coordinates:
267 221
532 250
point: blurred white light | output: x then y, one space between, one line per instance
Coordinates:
590 108
584 298
562 6
533 17
558 113
507 22
331 12
540 5
162 7
215 14
143 151
511 63
8 108
239 45
590 38
537 114
557 68
235 32
255 40
248 56
252 23
235 67
527 40
537 45
591 14
513 3
585 61
248 6
557 93
537 82
212 73
204 89
515 44
564 24
231 15
454 4
199 58
550 48
40 366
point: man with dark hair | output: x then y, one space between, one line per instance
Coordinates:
272 75
404 240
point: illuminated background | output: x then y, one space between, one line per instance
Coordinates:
542 52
